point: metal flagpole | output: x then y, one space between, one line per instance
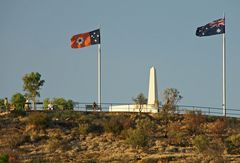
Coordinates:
224 74
99 75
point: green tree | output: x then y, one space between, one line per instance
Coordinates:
140 100
62 104
70 104
18 100
59 103
32 84
46 101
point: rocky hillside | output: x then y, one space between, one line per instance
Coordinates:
69 136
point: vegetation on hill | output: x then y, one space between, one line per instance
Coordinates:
63 135
31 84
69 136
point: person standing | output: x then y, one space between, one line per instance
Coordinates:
94 106
27 105
6 103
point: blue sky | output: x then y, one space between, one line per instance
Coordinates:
35 36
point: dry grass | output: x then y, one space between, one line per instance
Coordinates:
82 137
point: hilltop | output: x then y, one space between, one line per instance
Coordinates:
68 136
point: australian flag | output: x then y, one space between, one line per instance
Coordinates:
213 28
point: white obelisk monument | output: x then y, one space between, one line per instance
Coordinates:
152 89
152 98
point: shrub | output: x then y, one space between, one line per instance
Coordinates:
233 144
201 143
192 121
89 123
34 136
211 118
215 150
210 150
53 144
4 158
62 104
137 137
128 123
232 123
114 125
70 104
2 106
176 136
218 127
64 115
165 118
95 128
150 160
83 119
146 125
18 112
235 139
18 100
17 139
39 120
83 129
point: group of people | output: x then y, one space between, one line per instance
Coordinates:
9 107
27 105
50 106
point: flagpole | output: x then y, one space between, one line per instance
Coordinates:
224 76
99 75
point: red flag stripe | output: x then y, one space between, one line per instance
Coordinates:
81 40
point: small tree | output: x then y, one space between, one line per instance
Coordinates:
46 101
62 104
70 105
140 100
171 97
2 106
18 100
31 84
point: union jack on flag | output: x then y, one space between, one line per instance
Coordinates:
213 28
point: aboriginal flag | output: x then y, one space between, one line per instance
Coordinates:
85 39
213 28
